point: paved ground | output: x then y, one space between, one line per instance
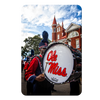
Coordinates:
63 89
23 84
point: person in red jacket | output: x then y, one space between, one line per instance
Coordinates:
29 85
26 65
34 72
28 60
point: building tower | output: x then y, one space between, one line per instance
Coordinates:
54 24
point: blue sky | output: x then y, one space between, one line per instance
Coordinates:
37 18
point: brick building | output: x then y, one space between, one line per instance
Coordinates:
72 35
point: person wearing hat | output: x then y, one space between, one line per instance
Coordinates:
29 85
32 53
29 58
34 72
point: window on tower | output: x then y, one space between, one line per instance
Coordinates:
54 30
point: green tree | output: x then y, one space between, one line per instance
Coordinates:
31 43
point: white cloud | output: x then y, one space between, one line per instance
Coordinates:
66 23
29 28
26 34
39 15
42 14
71 20
79 12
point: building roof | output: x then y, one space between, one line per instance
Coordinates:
54 21
72 27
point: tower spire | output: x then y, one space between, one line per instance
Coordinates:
54 21
54 24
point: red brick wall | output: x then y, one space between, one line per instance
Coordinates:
73 40
53 37
53 34
59 32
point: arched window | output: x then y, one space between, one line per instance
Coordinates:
73 34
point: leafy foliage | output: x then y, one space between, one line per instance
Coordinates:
31 43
